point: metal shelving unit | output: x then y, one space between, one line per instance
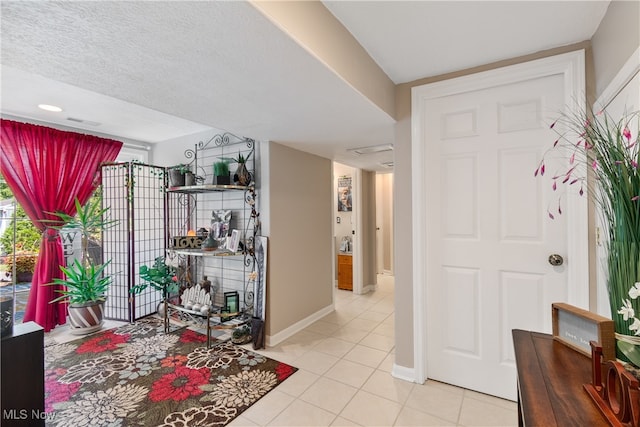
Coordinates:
189 208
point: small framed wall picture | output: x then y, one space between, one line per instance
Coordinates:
233 241
576 327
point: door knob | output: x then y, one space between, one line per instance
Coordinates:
555 260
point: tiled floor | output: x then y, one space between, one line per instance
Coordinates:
344 377
345 360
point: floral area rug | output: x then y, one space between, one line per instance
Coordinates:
136 375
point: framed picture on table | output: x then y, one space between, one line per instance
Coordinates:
231 306
234 240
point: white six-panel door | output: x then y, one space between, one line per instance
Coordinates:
487 236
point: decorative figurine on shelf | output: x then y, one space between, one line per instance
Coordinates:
242 176
205 284
209 244
220 220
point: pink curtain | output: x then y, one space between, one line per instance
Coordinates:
47 169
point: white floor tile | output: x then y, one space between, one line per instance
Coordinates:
297 383
384 385
267 408
366 356
351 373
411 417
316 362
329 394
379 342
300 413
334 347
371 410
475 413
436 401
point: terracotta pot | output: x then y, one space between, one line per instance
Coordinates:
86 318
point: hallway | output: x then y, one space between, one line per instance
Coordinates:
345 361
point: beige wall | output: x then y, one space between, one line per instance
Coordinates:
617 37
386 193
297 219
369 277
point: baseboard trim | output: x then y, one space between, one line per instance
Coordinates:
403 373
273 340
369 288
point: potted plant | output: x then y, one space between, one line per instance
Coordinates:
221 173
610 149
241 335
180 175
242 176
159 276
85 282
25 263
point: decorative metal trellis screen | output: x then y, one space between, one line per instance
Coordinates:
135 194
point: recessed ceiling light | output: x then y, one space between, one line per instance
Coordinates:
48 107
372 149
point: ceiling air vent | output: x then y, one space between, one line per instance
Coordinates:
387 164
84 122
372 149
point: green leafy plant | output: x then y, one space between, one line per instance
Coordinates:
182 168
221 168
25 261
241 332
240 159
84 279
160 276
83 283
609 151
89 221
27 236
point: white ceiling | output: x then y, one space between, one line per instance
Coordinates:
154 71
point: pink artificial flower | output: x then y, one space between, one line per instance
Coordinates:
174 278
634 163
572 158
635 198
626 133
554 186
594 165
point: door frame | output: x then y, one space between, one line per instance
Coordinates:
572 67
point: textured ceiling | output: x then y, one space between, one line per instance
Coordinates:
152 71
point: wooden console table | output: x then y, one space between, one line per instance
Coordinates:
550 380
